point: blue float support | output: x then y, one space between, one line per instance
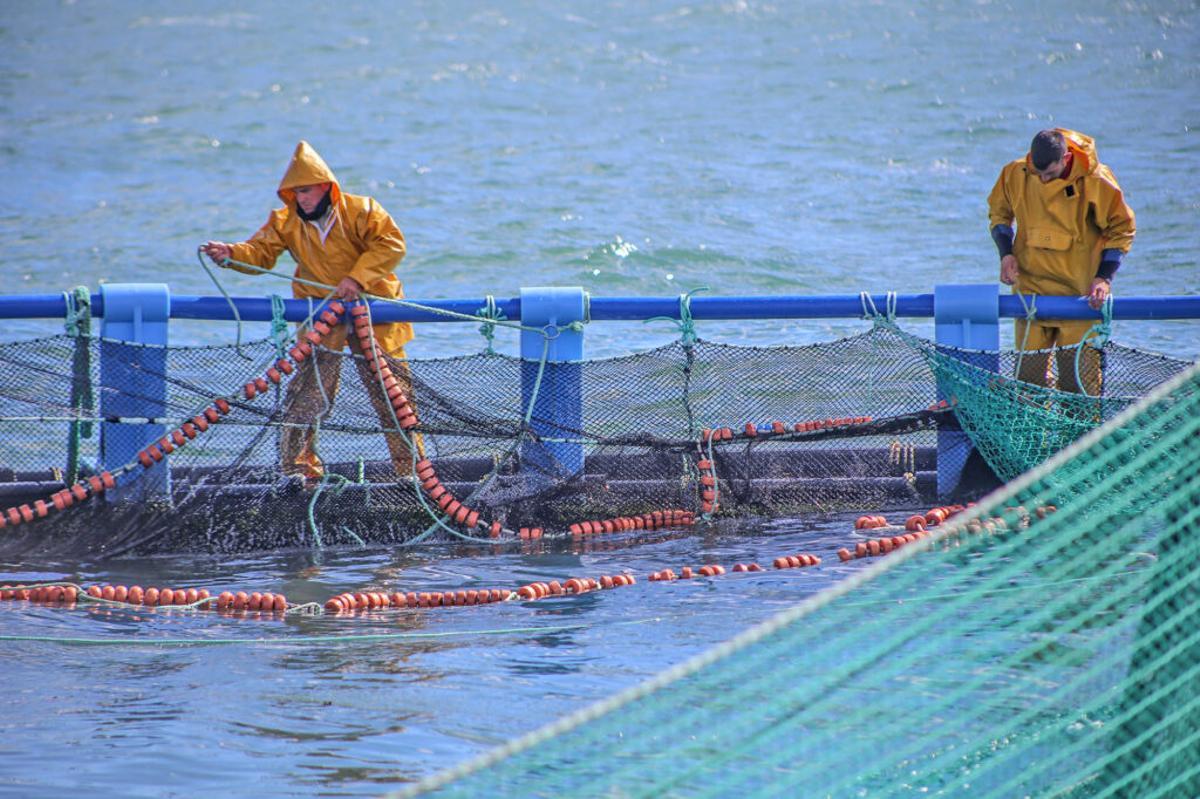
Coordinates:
966 317
558 407
133 384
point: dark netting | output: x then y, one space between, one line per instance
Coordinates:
702 428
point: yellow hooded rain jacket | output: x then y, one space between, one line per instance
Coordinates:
1062 225
363 242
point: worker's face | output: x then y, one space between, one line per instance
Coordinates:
307 197
1051 172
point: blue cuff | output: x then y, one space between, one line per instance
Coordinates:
1003 236
1110 262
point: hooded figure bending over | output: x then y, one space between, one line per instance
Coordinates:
348 242
1072 229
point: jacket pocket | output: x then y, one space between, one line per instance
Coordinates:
1050 239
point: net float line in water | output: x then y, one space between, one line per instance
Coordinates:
69 594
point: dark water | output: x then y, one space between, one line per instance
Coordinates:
631 148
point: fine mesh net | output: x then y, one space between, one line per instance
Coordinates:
1045 644
861 422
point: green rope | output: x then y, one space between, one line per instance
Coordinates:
491 314
279 336
78 324
279 328
357 538
339 484
362 481
410 442
685 323
1030 315
237 344
254 268
313 527
78 317
537 383
1096 337
687 339
439 518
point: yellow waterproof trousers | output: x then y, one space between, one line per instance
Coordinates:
1036 367
310 395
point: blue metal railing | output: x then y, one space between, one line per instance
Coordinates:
832 306
966 316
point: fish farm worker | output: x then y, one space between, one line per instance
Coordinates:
340 240
1073 227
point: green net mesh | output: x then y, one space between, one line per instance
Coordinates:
1046 644
850 424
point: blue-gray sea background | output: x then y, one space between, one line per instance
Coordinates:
634 148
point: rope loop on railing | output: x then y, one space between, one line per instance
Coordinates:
1030 316
871 311
78 318
685 323
279 328
491 314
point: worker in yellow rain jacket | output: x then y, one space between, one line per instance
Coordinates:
1072 229
346 243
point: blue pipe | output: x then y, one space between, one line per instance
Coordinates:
833 306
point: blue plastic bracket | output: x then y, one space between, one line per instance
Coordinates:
558 409
966 317
133 385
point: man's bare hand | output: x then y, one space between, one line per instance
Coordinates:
218 251
348 289
1009 269
1099 292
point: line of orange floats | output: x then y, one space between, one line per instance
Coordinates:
60 500
708 484
105 481
455 511
350 602
931 518
672 517
915 528
751 430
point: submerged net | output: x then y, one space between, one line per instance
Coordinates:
700 427
1046 644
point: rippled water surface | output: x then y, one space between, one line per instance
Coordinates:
631 148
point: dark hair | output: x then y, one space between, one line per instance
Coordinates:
1047 147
